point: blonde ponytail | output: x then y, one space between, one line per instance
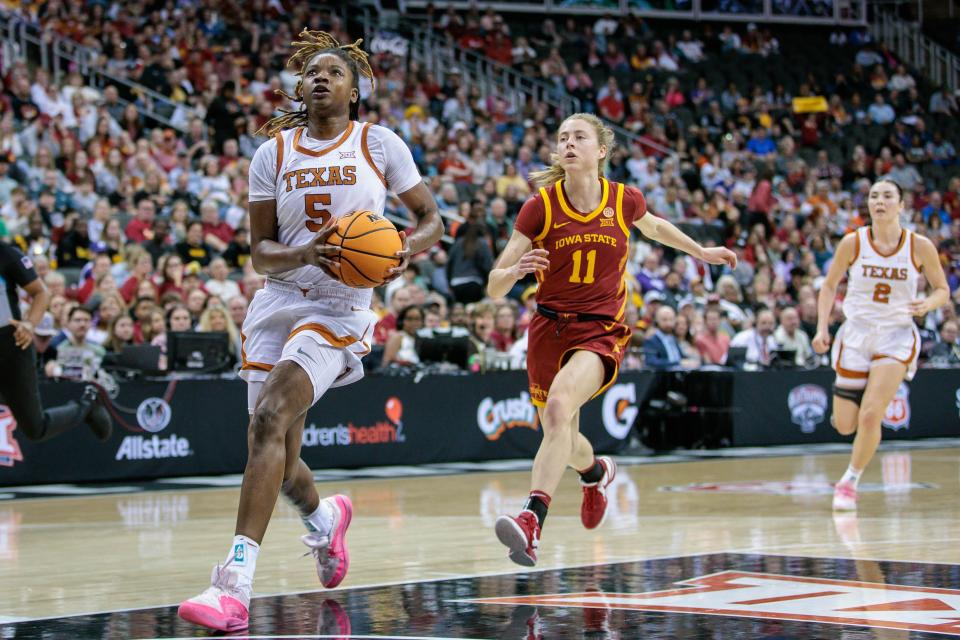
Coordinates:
556 172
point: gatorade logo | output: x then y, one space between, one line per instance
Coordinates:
620 409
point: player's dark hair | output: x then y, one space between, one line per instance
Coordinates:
311 44
895 185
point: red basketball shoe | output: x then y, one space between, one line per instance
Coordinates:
593 509
521 535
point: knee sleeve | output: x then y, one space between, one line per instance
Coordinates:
854 395
322 362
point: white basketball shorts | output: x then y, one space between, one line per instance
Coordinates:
331 316
856 348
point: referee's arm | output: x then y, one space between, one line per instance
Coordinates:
39 301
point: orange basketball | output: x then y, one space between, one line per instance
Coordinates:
368 247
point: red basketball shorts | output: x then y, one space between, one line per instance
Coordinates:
550 344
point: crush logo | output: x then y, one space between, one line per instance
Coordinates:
495 417
154 414
808 406
381 432
898 411
9 447
620 409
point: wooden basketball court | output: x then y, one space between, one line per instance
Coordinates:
147 550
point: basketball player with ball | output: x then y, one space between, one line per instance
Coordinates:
317 193
877 345
574 234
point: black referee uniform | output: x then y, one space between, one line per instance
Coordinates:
18 368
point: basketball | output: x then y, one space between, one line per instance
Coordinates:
368 246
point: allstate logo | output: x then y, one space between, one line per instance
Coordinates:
154 414
808 406
620 409
898 411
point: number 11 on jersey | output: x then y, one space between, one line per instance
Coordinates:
577 263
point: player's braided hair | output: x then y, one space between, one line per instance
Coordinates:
309 45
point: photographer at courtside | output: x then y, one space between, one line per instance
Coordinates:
18 373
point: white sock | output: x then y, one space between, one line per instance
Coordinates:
243 557
321 520
852 476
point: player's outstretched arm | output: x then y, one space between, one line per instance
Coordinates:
270 256
664 232
842 259
516 261
933 272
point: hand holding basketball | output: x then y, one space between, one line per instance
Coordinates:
821 342
315 252
533 260
404 255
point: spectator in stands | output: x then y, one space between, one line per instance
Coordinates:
661 350
789 336
400 348
711 342
77 358
468 263
759 341
194 248
139 229
947 350
505 327
880 112
219 283
689 356
120 334
482 317
215 319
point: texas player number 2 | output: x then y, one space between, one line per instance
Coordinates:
586 278
881 293
318 216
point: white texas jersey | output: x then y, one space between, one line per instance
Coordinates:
314 180
880 287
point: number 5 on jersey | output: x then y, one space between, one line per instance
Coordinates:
317 215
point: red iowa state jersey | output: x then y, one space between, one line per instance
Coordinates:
588 251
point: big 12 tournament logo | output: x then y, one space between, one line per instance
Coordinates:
9 447
808 406
898 411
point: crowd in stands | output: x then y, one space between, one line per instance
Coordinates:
139 229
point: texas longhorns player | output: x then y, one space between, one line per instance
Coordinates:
876 347
574 234
305 331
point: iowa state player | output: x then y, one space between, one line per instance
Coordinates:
574 235
877 345
305 331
